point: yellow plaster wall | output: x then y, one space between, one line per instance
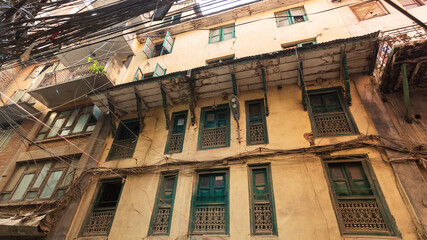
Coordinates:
303 204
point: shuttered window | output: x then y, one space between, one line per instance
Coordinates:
125 140
100 217
359 204
291 16
177 133
263 216
256 126
329 114
162 213
221 34
214 129
210 204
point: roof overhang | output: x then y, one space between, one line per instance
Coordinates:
12 112
414 56
26 225
320 62
187 24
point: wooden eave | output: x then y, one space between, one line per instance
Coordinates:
321 62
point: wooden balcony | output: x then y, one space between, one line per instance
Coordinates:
64 85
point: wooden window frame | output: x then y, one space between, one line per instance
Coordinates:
174 115
290 17
377 194
252 201
40 189
299 44
194 202
173 18
264 121
120 128
5 136
345 110
81 111
419 3
203 112
95 199
221 33
160 187
376 2
220 60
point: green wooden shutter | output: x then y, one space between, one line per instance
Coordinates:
148 48
263 217
138 75
256 127
163 208
177 133
159 71
167 44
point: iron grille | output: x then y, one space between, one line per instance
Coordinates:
99 222
257 133
122 149
210 219
175 142
162 221
263 219
362 216
69 74
332 124
214 137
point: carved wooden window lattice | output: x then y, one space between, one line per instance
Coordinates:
210 208
329 114
162 213
177 133
101 216
256 123
215 128
125 140
358 204
263 215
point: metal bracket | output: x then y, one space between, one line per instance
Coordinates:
140 117
304 95
407 100
192 98
110 114
264 82
346 79
165 106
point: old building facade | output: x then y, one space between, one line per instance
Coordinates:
263 120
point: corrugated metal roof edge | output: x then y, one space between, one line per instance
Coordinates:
258 57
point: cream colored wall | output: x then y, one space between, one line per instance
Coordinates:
255 34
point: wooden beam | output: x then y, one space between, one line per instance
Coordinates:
192 98
143 103
165 106
304 95
233 80
138 109
168 97
110 114
264 82
346 79
408 117
117 109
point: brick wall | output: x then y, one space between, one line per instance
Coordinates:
60 142
13 145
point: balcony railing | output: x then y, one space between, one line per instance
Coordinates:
122 149
210 219
214 137
175 142
99 222
71 73
332 124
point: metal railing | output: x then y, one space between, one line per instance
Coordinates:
392 37
70 73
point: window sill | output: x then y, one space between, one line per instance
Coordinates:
67 137
92 238
27 203
208 236
357 237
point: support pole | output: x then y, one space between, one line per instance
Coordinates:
140 117
346 80
165 107
264 82
233 80
110 114
192 99
408 117
304 96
